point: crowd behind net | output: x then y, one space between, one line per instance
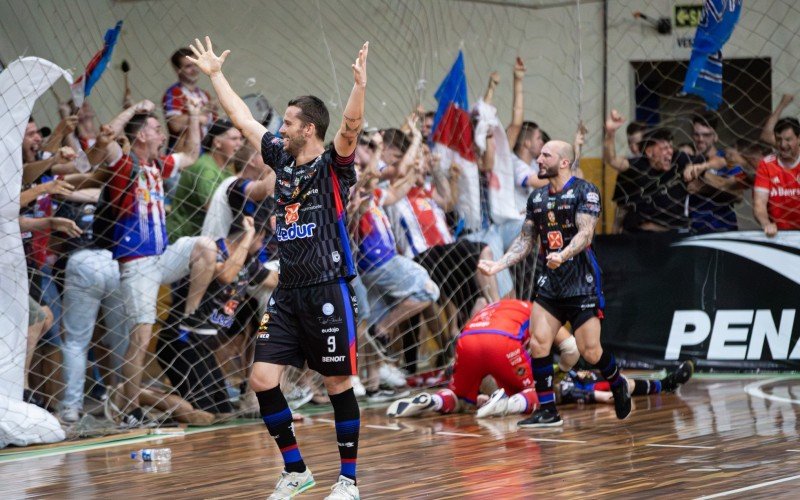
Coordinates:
577 68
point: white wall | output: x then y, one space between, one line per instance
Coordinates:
282 45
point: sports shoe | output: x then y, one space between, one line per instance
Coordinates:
384 395
409 407
543 417
196 324
392 376
622 398
69 415
358 388
292 483
344 489
678 377
496 406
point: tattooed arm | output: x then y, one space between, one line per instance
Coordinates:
347 136
586 224
519 248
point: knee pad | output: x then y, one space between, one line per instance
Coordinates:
568 354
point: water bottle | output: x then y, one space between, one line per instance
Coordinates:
152 455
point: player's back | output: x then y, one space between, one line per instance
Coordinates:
507 317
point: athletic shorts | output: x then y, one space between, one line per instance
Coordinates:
482 354
314 325
575 310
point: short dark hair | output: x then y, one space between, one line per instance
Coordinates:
430 114
687 144
396 138
179 54
653 136
785 123
706 119
635 127
219 127
526 130
314 111
545 137
135 124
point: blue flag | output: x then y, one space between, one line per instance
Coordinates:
94 70
704 75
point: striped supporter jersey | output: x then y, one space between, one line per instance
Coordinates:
138 203
423 221
310 215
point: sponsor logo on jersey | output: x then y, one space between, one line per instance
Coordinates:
335 256
332 359
263 336
327 309
551 218
296 232
537 198
568 194
589 278
292 215
593 197
738 334
333 329
555 240
221 319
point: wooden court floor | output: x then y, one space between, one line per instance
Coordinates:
719 437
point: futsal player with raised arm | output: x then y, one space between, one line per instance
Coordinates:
311 317
563 215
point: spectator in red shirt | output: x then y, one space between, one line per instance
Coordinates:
776 196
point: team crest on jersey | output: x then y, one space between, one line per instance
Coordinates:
555 240
292 212
264 320
230 307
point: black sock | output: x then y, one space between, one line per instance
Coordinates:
278 418
640 387
543 376
348 420
609 369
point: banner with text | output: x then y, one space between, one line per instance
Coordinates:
728 300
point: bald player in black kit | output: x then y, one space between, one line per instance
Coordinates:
563 215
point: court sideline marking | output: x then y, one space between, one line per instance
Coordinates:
748 488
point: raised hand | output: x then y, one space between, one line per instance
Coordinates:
494 78
65 155
360 66
519 68
106 136
66 126
205 59
614 121
193 106
144 106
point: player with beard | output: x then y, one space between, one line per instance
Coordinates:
563 215
311 317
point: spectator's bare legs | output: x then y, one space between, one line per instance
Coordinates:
134 364
35 332
487 284
203 261
401 312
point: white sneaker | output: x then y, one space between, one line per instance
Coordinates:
69 415
392 376
292 483
386 395
409 407
496 406
358 388
344 489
